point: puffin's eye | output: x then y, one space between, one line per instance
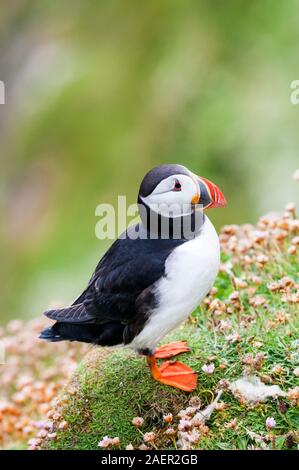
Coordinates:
177 186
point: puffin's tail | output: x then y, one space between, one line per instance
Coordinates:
105 334
61 331
74 323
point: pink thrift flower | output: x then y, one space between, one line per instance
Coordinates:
149 436
270 423
116 441
137 421
105 442
208 368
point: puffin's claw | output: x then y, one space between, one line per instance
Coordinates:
175 374
172 349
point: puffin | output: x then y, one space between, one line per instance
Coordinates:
152 277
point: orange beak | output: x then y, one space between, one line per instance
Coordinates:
210 194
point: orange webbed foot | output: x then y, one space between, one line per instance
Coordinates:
172 349
175 374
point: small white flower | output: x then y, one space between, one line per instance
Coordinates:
270 423
208 368
233 338
184 425
194 437
105 442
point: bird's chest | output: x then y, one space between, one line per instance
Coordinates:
190 272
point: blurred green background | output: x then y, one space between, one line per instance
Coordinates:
98 92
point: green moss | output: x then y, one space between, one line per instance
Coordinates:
113 391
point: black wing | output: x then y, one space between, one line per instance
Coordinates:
121 286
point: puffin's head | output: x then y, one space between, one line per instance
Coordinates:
174 191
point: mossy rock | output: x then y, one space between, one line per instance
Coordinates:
112 386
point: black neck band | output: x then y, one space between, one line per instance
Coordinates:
159 226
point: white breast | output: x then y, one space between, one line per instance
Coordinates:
190 272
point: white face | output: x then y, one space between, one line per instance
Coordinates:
173 196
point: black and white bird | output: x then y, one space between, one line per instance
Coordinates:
152 277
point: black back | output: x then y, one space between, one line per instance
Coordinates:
120 294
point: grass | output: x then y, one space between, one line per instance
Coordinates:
111 387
